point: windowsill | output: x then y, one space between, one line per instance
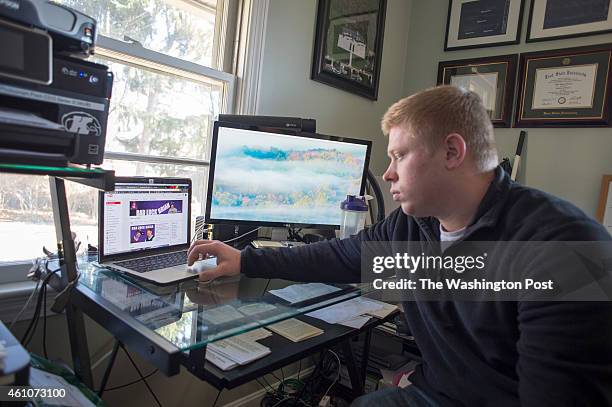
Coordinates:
14 295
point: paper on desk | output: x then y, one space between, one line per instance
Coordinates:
225 363
346 310
256 308
381 312
44 380
219 360
356 322
239 350
300 292
255 334
221 315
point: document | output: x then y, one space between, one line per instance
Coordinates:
356 322
239 350
565 87
221 315
301 292
382 312
219 360
256 308
223 362
346 310
295 330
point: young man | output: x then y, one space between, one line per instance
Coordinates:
444 174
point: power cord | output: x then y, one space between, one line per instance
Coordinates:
140 374
29 333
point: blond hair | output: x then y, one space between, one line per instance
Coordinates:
434 113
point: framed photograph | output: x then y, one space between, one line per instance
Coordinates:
348 45
483 23
492 78
554 19
565 87
604 209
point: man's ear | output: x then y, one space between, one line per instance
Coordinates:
456 150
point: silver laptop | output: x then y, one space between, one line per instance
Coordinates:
145 228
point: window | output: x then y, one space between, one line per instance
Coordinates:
168 88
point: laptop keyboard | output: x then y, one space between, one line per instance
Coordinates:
158 262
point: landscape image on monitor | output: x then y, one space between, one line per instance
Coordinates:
266 177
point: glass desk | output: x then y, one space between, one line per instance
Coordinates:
171 326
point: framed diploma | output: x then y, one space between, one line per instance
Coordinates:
604 209
492 78
554 19
482 23
567 87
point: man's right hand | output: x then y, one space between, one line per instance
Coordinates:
228 258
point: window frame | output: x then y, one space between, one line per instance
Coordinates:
134 54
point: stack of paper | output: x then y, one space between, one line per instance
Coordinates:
301 292
238 350
295 330
353 313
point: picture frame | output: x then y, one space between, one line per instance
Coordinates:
492 78
557 19
484 23
604 208
565 88
348 45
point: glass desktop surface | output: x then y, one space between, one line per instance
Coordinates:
191 314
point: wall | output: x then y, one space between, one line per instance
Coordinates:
287 90
565 162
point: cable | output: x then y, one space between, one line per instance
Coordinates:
217 398
29 333
265 288
25 305
140 374
44 338
132 382
242 235
337 377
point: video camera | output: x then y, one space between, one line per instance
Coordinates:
53 103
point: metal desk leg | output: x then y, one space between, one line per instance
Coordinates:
365 355
68 264
357 383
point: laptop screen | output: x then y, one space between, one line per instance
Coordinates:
141 214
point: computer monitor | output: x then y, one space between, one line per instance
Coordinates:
272 177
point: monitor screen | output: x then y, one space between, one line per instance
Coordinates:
141 215
271 177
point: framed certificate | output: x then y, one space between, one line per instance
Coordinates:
554 19
567 87
492 78
482 23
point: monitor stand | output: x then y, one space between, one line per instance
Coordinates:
278 238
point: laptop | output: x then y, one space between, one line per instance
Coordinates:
144 228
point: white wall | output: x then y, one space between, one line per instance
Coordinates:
566 162
287 90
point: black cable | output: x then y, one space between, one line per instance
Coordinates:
29 333
265 288
217 399
108 369
44 338
140 374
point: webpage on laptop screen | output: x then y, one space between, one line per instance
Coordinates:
145 216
